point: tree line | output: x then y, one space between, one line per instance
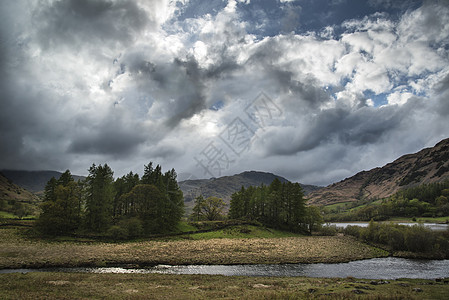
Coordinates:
427 200
131 206
126 207
396 237
279 205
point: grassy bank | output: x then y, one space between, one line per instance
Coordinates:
441 220
17 250
157 286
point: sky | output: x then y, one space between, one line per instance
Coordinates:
314 91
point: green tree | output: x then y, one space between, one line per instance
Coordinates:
236 210
175 204
196 214
313 219
60 208
210 209
153 208
99 198
122 186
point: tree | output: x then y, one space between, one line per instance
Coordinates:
280 205
197 214
122 186
153 208
313 219
99 198
175 203
210 209
236 209
60 208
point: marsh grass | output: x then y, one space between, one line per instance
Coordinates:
18 251
160 286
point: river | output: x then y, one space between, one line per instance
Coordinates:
432 226
377 268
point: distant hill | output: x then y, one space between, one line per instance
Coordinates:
14 197
33 181
224 187
426 166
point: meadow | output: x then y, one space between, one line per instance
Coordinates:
232 245
159 286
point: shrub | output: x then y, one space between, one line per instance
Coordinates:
328 230
352 230
117 233
418 239
132 226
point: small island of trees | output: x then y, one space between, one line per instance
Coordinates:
132 206
127 207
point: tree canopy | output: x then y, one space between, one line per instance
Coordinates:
125 207
279 205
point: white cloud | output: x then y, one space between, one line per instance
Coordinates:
136 84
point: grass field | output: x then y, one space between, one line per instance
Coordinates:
225 246
7 215
158 286
239 244
423 219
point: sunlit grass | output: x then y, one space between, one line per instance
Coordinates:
241 232
7 215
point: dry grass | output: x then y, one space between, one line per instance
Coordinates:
17 251
158 286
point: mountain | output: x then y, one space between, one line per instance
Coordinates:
426 166
224 187
14 198
34 181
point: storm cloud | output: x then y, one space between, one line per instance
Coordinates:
345 85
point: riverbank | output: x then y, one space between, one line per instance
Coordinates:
159 286
18 251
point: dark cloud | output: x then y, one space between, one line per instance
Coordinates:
364 126
111 81
113 136
77 22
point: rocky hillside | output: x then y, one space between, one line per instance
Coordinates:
33 181
224 187
426 166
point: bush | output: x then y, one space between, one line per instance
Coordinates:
352 230
404 238
419 239
133 227
328 230
117 233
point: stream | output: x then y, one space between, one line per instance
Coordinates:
432 226
376 268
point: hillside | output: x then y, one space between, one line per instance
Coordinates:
33 181
426 166
15 199
224 187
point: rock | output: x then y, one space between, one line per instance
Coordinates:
417 290
358 292
364 287
261 286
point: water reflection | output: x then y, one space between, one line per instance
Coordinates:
432 226
377 268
